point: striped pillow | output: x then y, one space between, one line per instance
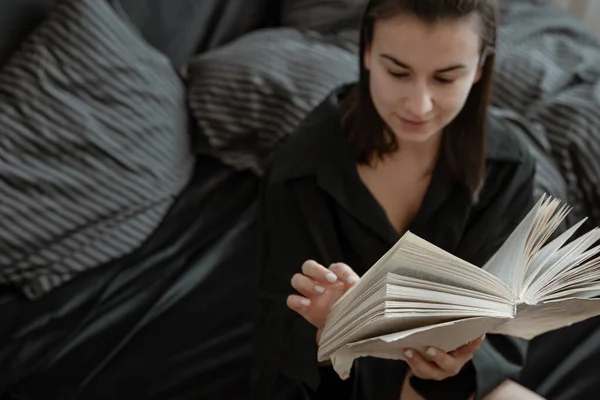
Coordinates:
93 146
548 179
338 19
247 96
548 70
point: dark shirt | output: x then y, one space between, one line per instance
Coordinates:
315 206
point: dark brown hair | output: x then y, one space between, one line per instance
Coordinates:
463 142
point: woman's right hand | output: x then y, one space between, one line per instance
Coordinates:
319 288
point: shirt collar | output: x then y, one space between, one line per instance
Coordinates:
319 143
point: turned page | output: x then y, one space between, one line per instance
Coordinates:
548 257
399 303
536 319
414 257
414 285
573 266
509 264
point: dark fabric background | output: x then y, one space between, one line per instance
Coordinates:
178 28
171 320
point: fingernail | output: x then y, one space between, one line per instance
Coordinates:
331 277
305 302
431 351
351 279
319 289
408 353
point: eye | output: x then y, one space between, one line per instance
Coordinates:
398 74
444 81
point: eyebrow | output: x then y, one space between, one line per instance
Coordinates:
403 65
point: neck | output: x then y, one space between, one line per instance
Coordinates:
421 156
427 150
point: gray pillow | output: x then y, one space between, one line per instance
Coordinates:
338 20
548 178
182 28
93 146
322 16
548 71
247 96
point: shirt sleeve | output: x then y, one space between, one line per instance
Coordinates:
285 366
504 203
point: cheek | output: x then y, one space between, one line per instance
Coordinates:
451 101
384 88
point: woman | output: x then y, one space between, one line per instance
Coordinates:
405 148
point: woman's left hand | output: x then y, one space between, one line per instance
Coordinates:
437 365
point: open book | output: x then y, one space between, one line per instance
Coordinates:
418 295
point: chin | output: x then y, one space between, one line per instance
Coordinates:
408 133
415 137
412 136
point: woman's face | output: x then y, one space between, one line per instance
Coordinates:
421 74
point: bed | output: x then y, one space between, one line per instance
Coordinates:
163 313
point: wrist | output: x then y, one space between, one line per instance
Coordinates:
318 336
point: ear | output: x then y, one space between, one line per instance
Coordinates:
478 75
367 57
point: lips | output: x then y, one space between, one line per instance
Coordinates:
413 122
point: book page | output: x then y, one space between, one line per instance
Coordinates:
572 259
574 284
535 320
510 262
391 320
416 258
409 301
420 259
401 304
548 255
445 336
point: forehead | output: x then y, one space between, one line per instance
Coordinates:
429 44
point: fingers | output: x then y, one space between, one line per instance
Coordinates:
338 272
298 303
435 364
306 286
422 368
344 273
467 351
319 286
449 364
318 273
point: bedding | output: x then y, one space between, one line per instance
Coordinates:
18 18
248 95
170 320
182 28
177 28
94 146
338 20
547 175
548 71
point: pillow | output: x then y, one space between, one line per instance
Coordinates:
323 16
547 174
547 70
181 28
18 18
338 19
94 146
247 96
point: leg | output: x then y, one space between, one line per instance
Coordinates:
510 390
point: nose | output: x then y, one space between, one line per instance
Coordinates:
419 101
